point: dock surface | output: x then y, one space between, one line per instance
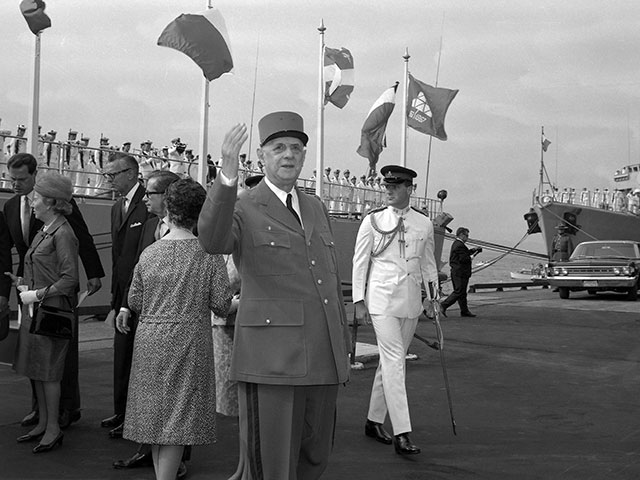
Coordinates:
542 388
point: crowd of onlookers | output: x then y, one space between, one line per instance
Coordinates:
616 200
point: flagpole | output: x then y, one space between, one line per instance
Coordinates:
253 101
426 182
320 147
32 146
403 140
204 128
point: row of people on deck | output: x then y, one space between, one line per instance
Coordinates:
84 164
616 200
291 341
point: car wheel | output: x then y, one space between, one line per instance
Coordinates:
564 292
632 294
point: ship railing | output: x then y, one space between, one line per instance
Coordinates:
619 201
84 165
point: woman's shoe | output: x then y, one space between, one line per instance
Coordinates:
28 437
45 447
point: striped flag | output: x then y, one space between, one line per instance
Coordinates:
203 37
33 13
373 137
427 106
338 76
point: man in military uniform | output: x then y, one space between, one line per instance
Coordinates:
393 258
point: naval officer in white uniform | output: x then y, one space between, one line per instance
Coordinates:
393 258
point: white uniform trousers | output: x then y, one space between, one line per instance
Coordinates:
388 393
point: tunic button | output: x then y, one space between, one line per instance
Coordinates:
272 243
309 244
313 262
319 281
326 301
269 227
267 321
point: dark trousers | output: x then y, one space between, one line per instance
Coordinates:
122 357
459 294
69 385
286 432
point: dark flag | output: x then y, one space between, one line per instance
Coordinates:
202 37
33 13
427 106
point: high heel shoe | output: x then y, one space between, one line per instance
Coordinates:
45 447
28 437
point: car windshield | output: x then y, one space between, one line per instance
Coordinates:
605 250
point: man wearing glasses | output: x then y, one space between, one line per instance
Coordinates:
23 226
128 215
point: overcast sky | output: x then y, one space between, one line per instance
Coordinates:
572 66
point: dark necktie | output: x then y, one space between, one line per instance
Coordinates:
290 207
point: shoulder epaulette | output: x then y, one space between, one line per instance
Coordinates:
420 211
375 210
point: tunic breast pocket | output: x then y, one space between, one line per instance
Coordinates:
272 253
415 244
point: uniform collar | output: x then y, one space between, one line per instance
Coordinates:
400 211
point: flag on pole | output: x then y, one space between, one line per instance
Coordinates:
204 38
33 13
338 76
545 143
373 138
427 106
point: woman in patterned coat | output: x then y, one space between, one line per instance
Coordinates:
171 401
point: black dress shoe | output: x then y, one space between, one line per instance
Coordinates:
28 437
377 431
67 417
31 419
404 446
443 310
182 471
116 432
46 447
468 314
136 460
113 421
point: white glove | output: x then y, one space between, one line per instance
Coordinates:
29 296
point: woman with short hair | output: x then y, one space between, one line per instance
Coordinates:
176 284
50 277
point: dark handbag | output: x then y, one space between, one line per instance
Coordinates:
53 321
4 324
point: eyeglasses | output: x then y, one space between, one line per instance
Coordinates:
148 193
111 176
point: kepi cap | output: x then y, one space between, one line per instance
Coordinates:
281 124
395 174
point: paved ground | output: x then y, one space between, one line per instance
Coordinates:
542 389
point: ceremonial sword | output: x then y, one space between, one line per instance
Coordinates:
439 345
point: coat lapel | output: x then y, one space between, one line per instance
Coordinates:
137 198
275 209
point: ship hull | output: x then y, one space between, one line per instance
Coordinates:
591 223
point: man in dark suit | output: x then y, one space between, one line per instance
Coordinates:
291 339
460 262
23 226
5 263
153 229
128 215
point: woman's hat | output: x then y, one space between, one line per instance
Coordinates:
54 185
